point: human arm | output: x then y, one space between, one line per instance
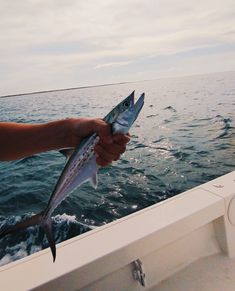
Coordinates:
18 140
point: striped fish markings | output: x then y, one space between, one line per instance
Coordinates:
80 167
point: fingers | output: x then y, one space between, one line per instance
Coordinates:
121 138
104 131
109 147
107 153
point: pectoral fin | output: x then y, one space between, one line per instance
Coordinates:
94 180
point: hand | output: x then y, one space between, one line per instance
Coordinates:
109 148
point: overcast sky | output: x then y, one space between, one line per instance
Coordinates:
53 44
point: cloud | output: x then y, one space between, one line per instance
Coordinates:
114 64
54 40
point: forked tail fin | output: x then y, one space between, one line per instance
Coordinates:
47 227
37 219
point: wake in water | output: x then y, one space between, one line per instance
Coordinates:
32 240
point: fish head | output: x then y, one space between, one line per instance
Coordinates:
126 112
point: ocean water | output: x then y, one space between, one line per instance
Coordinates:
184 136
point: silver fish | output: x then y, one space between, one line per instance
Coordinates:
80 167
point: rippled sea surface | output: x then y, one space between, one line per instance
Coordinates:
184 136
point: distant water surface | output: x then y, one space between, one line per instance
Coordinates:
184 136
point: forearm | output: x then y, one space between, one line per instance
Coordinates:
19 140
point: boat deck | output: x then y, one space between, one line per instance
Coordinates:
213 273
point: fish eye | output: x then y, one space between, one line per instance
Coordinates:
125 104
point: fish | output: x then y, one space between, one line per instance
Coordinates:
80 167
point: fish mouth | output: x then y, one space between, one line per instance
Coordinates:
122 124
139 104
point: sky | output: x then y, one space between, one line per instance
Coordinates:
54 44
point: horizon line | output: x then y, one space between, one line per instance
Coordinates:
65 89
108 84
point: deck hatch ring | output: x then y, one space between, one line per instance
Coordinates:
138 272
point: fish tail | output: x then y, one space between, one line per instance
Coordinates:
46 225
38 219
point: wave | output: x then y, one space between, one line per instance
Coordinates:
215 127
171 108
224 126
32 239
151 115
